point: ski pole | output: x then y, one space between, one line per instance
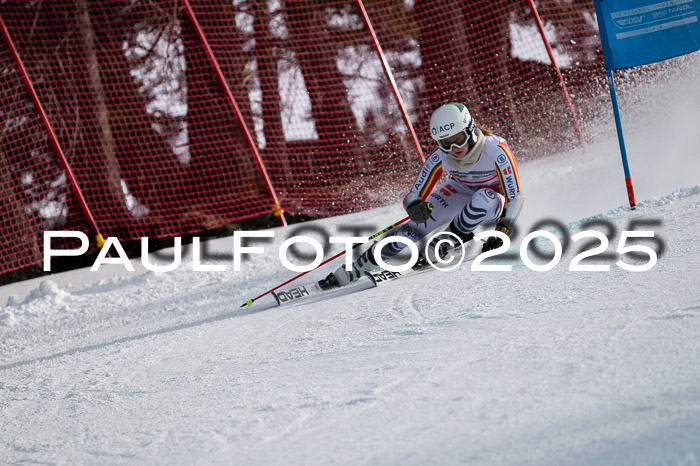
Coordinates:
249 302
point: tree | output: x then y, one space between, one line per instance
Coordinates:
138 40
316 46
488 23
221 169
266 52
102 164
19 244
56 44
444 44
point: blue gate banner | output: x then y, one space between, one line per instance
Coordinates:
637 32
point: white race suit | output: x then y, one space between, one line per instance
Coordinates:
487 192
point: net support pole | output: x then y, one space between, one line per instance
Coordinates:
390 78
621 140
99 238
560 78
276 208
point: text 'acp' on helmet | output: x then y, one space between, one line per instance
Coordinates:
450 119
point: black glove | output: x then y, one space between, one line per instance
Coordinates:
494 242
419 210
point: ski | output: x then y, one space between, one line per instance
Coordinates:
370 279
249 302
380 277
296 293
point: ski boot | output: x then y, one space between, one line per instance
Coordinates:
342 277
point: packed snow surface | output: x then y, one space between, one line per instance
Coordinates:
517 367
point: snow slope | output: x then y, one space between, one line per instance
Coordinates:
516 367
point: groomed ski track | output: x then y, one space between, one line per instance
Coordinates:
512 367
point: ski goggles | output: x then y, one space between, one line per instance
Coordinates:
459 140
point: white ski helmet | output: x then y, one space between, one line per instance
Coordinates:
452 125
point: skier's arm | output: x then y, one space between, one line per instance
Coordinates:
428 177
510 187
414 202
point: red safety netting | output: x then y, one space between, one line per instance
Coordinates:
491 56
35 195
156 146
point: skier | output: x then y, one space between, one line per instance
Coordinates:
482 188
